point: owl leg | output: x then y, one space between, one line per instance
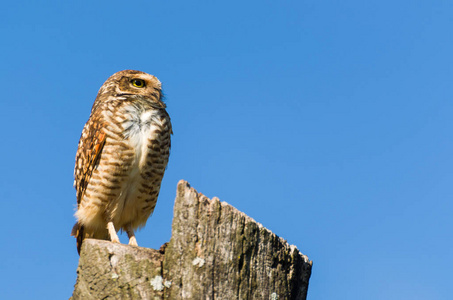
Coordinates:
112 232
131 235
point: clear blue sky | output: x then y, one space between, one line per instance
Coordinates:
329 122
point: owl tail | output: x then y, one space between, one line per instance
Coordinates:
78 231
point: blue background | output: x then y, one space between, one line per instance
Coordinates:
329 122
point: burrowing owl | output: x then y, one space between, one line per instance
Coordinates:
121 159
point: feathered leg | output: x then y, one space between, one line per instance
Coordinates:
112 232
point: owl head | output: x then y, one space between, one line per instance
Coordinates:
131 84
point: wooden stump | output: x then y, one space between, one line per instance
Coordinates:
215 252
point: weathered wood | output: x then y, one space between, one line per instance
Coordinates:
215 252
115 271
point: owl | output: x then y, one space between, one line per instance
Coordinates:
121 158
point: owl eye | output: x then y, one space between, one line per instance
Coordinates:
138 83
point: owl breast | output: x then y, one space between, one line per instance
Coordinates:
140 156
140 131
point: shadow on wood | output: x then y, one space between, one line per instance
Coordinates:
215 252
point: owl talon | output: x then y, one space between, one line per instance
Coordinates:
133 241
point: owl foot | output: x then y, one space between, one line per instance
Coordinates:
131 235
133 241
112 232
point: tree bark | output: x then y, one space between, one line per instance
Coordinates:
215 252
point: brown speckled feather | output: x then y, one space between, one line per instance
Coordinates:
89 155
90 148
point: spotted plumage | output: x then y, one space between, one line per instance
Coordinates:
122 155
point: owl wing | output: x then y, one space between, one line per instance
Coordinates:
88 155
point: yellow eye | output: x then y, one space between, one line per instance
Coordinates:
138 83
